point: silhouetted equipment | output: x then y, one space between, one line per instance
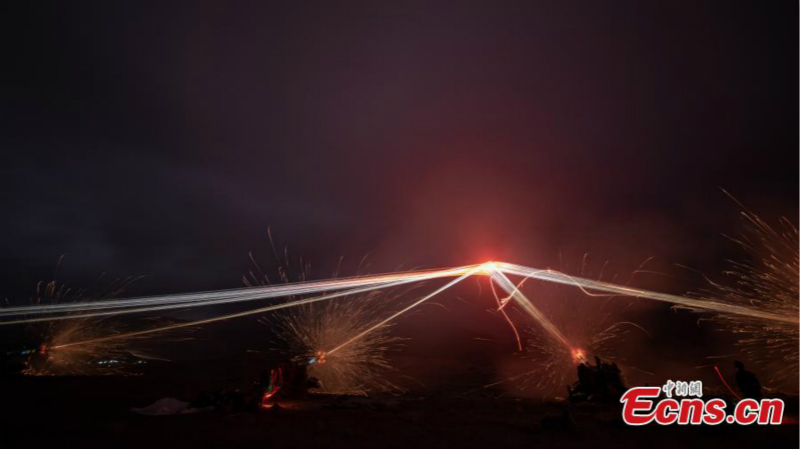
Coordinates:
602 382
288 380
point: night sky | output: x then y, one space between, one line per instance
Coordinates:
163 140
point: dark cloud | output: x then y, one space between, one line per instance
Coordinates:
163 140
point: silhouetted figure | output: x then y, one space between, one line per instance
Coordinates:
748 382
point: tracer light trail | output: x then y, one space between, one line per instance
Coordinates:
89 309
157 303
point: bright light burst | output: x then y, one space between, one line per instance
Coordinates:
56 353
766 282
552 366
346 341
58 357
311 329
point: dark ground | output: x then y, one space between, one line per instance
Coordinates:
94 412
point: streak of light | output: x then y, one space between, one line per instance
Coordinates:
406 309
168 302
527 306
590 287
233 315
